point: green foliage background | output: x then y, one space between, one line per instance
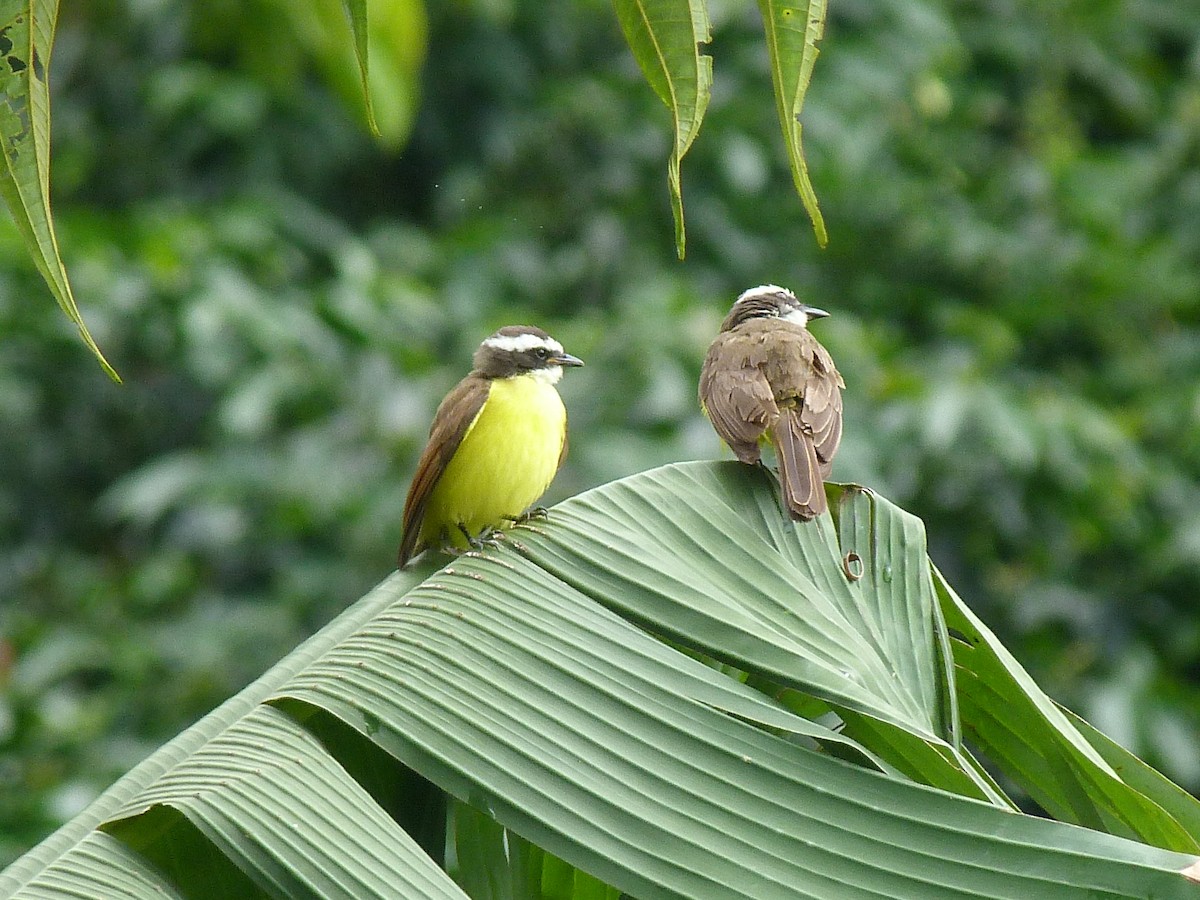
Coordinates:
1012 191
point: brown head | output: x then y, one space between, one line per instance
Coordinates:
770 301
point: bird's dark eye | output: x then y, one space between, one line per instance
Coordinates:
541 352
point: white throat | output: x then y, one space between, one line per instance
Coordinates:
799 316
549 375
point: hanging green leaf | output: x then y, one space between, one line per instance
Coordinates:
793 30
26 39
666 37
377 72
98 866
356 12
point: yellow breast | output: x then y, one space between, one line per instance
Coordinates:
504 464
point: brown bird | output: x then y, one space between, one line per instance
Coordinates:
765 377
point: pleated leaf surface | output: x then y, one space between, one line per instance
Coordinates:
613 762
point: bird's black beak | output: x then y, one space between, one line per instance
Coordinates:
813 313
566 359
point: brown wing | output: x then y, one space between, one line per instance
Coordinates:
450 423
735 394
807 388
821 412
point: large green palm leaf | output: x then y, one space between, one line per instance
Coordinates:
528 683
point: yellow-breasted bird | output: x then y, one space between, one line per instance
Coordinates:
766 378
496 442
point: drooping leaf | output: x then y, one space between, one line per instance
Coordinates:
26 39
666 37
356 12
378 70
71 846
793 28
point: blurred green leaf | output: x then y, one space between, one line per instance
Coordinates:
379 72
26 40
356 12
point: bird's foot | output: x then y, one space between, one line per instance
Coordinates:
534 512
487 538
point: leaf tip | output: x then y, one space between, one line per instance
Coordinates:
372 125
104 363
676 188
819 227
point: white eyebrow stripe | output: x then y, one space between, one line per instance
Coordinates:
519 343
760 290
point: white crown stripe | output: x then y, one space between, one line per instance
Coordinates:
761 290
519 343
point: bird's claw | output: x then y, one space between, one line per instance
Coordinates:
534 512
489 537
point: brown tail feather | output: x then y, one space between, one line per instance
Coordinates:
408 547
799 470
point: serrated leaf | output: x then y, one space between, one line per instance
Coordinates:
26 39
666 37
793 30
